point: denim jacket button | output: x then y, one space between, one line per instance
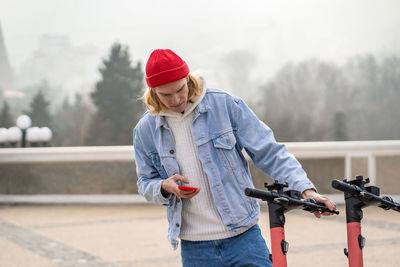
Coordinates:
178 200
177 225
171 151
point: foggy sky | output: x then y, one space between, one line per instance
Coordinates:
203 31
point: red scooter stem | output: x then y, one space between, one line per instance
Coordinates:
354 242
358 196
277 241
280 202
279 246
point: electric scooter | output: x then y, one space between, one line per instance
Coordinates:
358 196
279 202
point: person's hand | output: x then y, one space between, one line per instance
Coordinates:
170 186
310 193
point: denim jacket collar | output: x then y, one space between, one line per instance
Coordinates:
202 107
160 121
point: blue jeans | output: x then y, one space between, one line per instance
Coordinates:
246 249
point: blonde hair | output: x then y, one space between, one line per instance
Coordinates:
155 106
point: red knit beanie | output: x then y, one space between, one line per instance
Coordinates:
164 66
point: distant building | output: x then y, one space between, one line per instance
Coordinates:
66 66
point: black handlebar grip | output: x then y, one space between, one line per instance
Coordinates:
348 188
334 211
312 205
256 193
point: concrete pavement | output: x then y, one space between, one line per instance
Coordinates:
135 235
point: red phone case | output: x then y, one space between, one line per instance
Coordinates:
187 188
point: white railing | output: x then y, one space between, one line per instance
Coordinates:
301 150
304 150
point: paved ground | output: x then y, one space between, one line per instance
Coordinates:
135 235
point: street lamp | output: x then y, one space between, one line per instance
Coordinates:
45 135
37 136
32 136
24 122
14 136
24 133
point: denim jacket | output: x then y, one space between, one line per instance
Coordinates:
222 127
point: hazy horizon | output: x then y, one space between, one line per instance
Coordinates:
272 32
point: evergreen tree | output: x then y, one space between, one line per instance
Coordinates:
6 120
116 98
39 111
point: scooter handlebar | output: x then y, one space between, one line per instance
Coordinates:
385 202
308 204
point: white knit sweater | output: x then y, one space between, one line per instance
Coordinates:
200 217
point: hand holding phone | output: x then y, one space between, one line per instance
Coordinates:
187 188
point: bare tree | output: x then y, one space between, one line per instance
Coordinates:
315 101
377 81
72 122
301 101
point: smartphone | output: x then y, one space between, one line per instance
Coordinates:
187 188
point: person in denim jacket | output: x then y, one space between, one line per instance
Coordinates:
195 136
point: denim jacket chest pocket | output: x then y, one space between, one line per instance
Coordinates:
225 146
155 159
166 165
170 165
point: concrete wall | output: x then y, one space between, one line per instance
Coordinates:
68 178
111 170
